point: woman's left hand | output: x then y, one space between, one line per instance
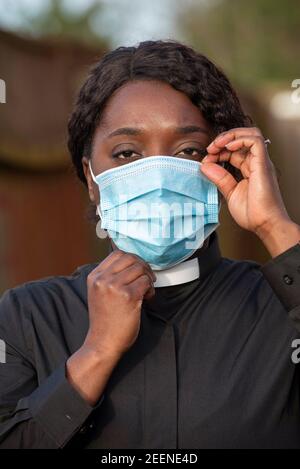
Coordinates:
255 202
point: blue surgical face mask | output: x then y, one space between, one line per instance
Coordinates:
161 208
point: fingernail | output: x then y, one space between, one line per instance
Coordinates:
219 137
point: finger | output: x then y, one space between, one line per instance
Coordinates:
108 261
238 159
127 260
221 177
255 145
226 137
222 156
141 288
132 273
149 293
239 152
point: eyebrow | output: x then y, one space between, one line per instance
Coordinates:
179 130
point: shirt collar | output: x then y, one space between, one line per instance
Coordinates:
168 300
191 269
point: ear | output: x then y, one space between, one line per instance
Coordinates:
92 186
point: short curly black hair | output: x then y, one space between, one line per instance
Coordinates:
169 61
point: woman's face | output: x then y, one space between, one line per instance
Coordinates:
146 118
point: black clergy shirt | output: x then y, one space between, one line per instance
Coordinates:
211 367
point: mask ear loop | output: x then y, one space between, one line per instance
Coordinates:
221 163
92 174
100 232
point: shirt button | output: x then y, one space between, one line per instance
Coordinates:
83 430
288 280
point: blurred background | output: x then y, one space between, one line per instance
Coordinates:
46 50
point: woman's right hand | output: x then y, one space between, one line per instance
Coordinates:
116 289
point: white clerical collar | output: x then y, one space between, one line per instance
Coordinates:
181 273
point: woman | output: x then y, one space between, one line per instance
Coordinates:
121 354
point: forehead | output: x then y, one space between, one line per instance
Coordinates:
150 103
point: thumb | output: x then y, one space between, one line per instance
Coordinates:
224 181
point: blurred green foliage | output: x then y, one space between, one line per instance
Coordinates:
253 41
54 19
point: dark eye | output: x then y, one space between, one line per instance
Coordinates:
191 151
124 154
